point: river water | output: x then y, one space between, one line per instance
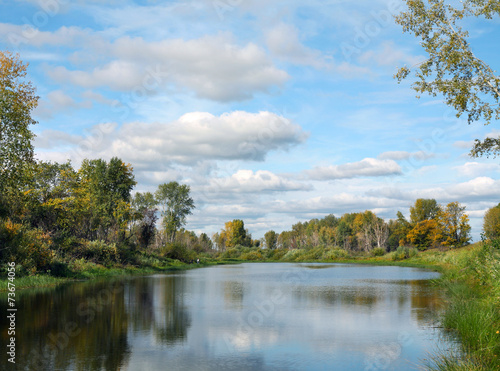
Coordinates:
259 316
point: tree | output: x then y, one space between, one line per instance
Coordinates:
271 239
176 205
363 225
491 225
17 102
424 234
467 83
104 194
424 209
235 234
144 205
453 224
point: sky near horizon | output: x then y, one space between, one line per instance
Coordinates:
273 112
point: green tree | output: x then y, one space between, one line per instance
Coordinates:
424 234
235 234
176 204
271 239
104 194
467 83
491 224
17 102
453 225
424 209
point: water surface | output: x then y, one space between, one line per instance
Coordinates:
240 317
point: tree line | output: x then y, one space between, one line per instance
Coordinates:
430 225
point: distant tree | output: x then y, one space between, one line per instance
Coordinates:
144 205
205 242
424 234
175 204
17 102
104 194
424 209
491 224
453 224
468 84
236 234
271 239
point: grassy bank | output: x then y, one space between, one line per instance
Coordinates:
88 271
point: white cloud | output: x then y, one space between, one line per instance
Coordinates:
404 155
388 54
474 169
479 189
283 41
214 67
247 181
28 34
368 167
192 138
338 204
58 101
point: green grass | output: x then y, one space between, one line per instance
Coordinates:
32 281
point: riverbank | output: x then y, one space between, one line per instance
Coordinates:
94 271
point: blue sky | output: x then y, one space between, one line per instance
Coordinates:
272 111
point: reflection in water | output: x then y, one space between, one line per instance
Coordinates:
246 317
233 294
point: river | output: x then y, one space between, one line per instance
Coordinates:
255 316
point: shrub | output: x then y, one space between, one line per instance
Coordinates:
99 252
232 253
31 248
276 254
378 251
293 255
335 254
404 252
252 255
178 251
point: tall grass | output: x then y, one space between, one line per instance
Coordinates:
473 312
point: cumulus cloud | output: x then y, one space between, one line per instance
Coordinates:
474 169
338 204
283 41
480 189
58 101
214 67
368 167
403 155
388 54
247 181
192 138
29 35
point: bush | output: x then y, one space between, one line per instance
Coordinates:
31 248
252 256
178 251
335 254
404 252
276 254
99 252
378 251
232 253
293 255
